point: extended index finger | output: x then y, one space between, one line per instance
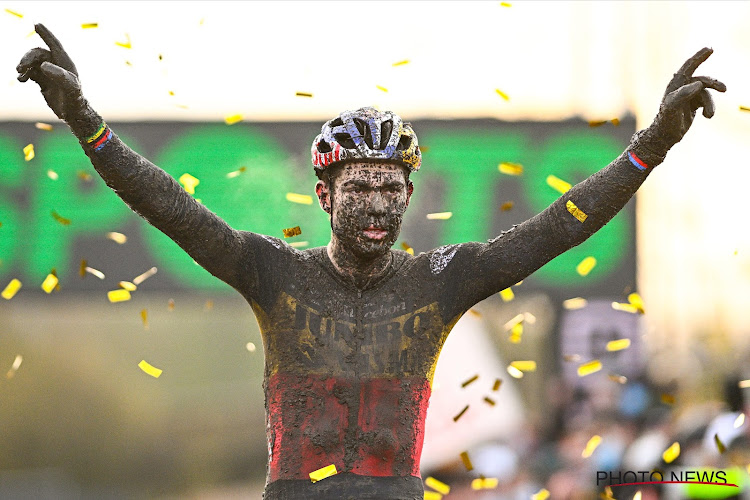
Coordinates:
692 64
51 40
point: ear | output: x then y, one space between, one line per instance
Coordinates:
409 191
324 196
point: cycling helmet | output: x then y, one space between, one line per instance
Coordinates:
366 134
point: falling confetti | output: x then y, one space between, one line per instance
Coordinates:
575 303
88 26
149 369
28 152
440 216
143 277
84 176
424 149
592 444
619 306
59 218
43 126
461 413
469 381
516 332
144 318
232 119
117 237
292 231
597 123
508 205
250 347
637 495
502 94
302 199
507 4
11 289
667 399
189 182
575 211
14 368
671 453
742 108
524 366
542 494
739 421
513 321
401 63
618 345
586 265
510 168
126 44
432 495
475 313
489 401
507 295
13 13
484 483
636 301
327 471
52 175
120 295
572 358
466 461
49 283
558 184
589 368
299 244
744 384
237 172
436 485
170 305
381 88
127 285
719 445
620 379
407 248
303 94
497 384
514 372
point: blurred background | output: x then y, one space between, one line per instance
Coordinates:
213 90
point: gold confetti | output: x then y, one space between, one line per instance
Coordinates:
120 295
489 401
14 368
327 471
209 305
620 379
513 321
744 384
558 184
542 494
28 152
424 149
461 413
127 285
619 306
440 216
667 399
126 44
469 381
436 485
189 182
143 277
302 199
484 483
475 313
671 453
11 289
407 248
507 295
575 303
401 63
237 172
739 421
618 345
742 108
299 244
591 446
144 318
636 301
232 119
149 369
510 168
49 283
117 237
514 372
637 495
13 13
59 218
597 123
303 94
586 265
575 211
719 445
497 384
507 4
381 88
606 494
88 26
508 205
502 94
589 368
466 461
292 231
516 332
524 366
84 176
250 347
170 305
432 495
572 358
43 126
86 269
615 121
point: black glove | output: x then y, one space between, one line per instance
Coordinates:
684 95
56 75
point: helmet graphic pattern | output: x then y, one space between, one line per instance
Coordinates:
366 134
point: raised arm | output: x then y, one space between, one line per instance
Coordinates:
148 190
589 205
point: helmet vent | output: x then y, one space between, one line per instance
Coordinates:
385 133
345 140
324 147
403 143
337 122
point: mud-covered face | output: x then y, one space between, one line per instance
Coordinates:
367 206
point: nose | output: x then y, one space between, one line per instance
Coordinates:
377 205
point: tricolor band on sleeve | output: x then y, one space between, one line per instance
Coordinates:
100 138
639 164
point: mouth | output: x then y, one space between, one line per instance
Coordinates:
375 233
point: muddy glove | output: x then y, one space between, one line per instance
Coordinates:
56 75
684 95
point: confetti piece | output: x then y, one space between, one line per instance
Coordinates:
232 119
607 494
637 495
28 152
469 381
744 384
94 272
189 182
497 384
586 265
424 149
619 306
667 399
502 94
671 453
117 237
170 305
575 303
209 305
636 301
475 313
513 321
589 368
558 184
484 483
575 211
514 372
742 108
739 421
719 445
148 369
591 446
126 44
436 485
126 285
461 413
237 172
381 88
506 4
401 63
43 126
144 318
432 495
88 26
11 289
620 379
597 123
440 216
572 358
516 332
292 231
302 199
84 176
299 244
407 248
542 494
120 295
143 277
615 121
508 205
250 347
59 218
303 94
466 461
16 365
489 401
618 345
13 13
507 295
524 366
52 175
510 168
49 283
327 471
